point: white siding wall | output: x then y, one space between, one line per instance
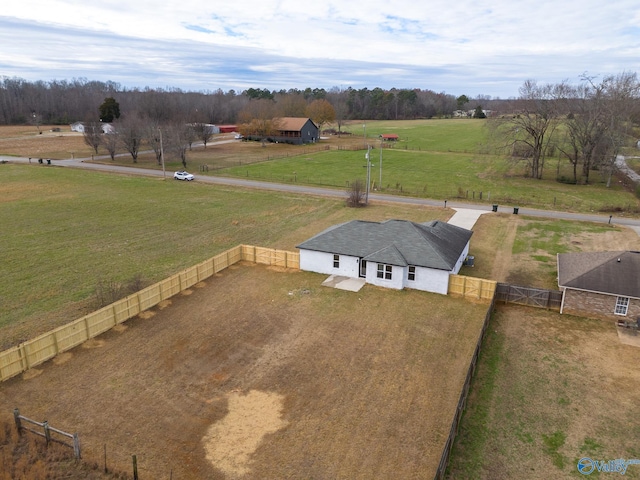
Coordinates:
321 262
429 280
460 261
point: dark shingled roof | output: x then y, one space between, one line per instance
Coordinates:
614 273
433 244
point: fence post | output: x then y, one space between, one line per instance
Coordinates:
76 448
47 432
135 467
16 417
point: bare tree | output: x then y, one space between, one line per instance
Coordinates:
598 123
153 135
178 141
356 194
92 134
202 132
110 141
131 134
529 133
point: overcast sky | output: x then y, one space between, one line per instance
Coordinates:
459 47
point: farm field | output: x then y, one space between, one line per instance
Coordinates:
230 379
440 159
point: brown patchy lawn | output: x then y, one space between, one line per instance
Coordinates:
265 374
550 390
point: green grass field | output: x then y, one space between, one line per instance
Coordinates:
443 159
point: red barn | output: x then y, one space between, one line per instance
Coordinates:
390 137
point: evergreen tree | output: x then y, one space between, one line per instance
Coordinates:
109 110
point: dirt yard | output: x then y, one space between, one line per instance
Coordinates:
265 374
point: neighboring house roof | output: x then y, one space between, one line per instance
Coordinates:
293 124
433 244
614 273
389 136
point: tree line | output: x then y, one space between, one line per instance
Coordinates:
587 125
60 102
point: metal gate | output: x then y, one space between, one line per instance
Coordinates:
533 297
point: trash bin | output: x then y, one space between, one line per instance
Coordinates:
515 210
469 261
495 207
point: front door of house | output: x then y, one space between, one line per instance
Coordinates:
363 268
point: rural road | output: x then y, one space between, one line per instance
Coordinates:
633 223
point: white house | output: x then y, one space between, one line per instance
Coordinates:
79 127
394 254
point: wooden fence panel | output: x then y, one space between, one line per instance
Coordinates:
249 253
126 308
12 363
205 269
234 255
471 287
99 321
149 297
220 262
170 286
72 334
40 349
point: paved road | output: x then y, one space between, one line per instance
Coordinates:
308 190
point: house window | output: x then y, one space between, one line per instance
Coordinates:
384 271
412 273
336 261
622 305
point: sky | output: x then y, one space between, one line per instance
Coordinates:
471 47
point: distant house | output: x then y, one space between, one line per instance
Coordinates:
227 128
389 137
600 284
79 127
210 128
297 130
394 254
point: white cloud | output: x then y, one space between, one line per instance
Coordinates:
466 46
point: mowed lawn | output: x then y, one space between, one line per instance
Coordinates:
263 373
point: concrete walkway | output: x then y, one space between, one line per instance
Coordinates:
466 217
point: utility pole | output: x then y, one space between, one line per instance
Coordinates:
367 156
380 180
164 174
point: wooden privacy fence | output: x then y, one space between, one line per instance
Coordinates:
462 401
470 287
269 256
534 297
46 346
48 432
